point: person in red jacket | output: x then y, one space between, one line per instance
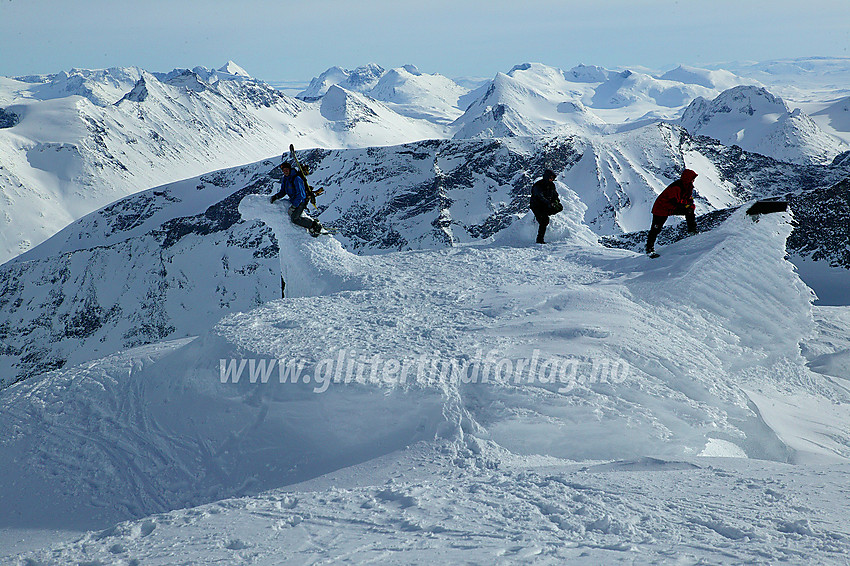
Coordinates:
676 199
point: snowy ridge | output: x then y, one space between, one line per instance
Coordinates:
229 439
534 98
805 73
529 100
69 149
362 79
716 79
433 384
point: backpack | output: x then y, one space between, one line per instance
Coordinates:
308 189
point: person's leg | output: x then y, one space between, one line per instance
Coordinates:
543 220
654 230
691 219
296 214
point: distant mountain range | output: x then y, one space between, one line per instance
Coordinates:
77 140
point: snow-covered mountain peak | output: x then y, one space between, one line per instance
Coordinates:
749 100
539 77
410 86
319 85
234 70
530 99
362 79
101 87
138 93
406 90
756 120
341 105
365 77
718 79
188 80
588 74
610 97
172 85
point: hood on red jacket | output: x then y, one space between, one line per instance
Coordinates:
688 176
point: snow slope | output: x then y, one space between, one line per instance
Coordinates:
420 504
520 361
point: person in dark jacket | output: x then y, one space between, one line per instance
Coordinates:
292 186
676 199
544 202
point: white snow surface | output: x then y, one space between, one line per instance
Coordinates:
405 89
473 456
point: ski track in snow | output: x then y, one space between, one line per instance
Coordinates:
491 477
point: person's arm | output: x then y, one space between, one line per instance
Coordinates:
280 194
683 198
555 199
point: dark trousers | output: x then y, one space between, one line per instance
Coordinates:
296 214
543 220
658 224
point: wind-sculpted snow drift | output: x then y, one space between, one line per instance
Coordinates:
309 266
432 345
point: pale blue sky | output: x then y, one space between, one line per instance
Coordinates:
294 41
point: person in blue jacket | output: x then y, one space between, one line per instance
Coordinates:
293 187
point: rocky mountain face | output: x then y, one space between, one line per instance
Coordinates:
823 231
134 274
